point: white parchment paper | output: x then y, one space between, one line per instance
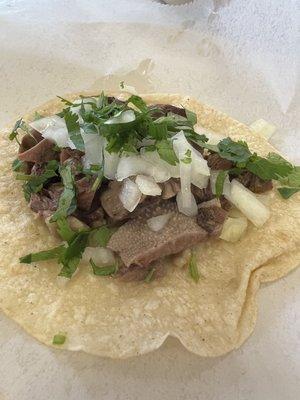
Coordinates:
241 57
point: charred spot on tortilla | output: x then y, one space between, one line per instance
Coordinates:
143 170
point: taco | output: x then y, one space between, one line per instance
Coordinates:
128 219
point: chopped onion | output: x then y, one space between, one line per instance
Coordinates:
157 223
100 255
132 165
247 203
161 170
123 117
130 195
191 210
93 144
147 185
53 128
234 226
263 128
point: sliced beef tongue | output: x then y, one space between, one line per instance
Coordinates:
202 194
42 151
211 217
111 202
137 244
73 158
138 273
93 218
254 183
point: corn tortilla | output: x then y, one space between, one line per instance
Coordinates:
107 317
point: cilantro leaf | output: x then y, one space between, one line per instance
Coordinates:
64 230
272 167
150 275
138 102
56 252
104 271
65 101
67 201
74 129
34 183
191 117
166 152
59 339
187 157
73 254
17 165
287 192
220 183
234 151
100 237
193 268
293 178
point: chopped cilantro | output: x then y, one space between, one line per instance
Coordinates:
51 254
150 275
73 127
99 237
59 339
122 84
287 192
191 117
220 183
64 230
67 201
272 167
187 157
234 151
17 165
20 124
166 152
193 268
104 271
65 101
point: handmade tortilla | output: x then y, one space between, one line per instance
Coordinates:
107 317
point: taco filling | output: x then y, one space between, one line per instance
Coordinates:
126 184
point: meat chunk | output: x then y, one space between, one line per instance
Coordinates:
211 217
43 151
164 109
170 188
254 183
111 202
46 202
214 161
93 218
85 194
202 194
68 153
138 273
137 244
30 140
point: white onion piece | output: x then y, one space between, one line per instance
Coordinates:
93 144
53 128
111 161
123 117
132 165
234 226
162 171
247 203
191 210
157 223
130 195
263 128
147 185
100 255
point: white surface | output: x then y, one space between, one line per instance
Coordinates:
239 56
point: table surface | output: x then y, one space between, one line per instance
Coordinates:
48 48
